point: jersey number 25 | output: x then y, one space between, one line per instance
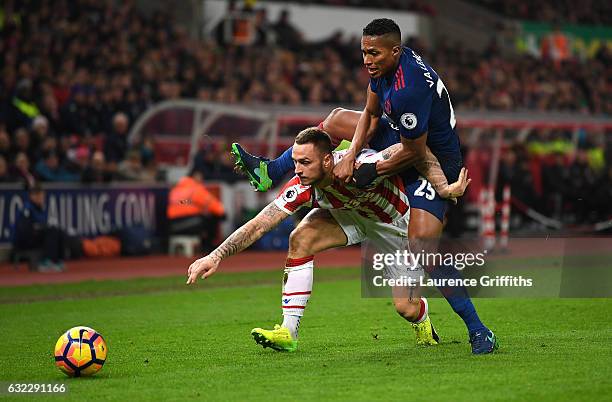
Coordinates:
425 190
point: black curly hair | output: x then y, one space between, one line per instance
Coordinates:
382 26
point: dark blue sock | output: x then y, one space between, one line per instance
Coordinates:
458 298
279 167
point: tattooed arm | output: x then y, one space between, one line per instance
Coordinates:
416 153
250 232
242 238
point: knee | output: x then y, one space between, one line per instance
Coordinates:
422 239
419 233
408 310
300 241
331 121
424 226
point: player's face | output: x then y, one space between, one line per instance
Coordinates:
310 165
380 55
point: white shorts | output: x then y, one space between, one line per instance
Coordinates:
378 237
359 228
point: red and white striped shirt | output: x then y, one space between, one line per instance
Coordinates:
383 201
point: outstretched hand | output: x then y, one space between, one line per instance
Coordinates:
457 189
205 267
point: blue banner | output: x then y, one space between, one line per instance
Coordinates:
91 211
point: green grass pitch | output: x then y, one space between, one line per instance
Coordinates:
170 342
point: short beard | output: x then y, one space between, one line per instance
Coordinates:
321 178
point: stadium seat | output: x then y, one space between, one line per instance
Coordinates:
183 245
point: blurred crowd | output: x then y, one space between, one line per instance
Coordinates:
419 6
551 175
596 12
76 75
489 81
69 93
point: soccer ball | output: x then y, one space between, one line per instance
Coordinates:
81 351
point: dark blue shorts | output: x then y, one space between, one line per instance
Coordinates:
419 191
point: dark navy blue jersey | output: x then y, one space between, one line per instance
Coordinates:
415 101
